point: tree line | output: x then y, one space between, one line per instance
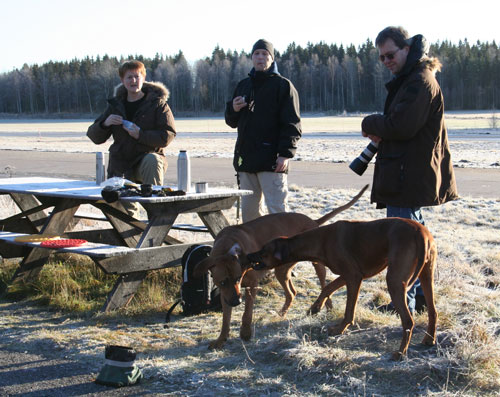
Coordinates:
328 77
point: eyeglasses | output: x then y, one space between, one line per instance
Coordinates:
389 56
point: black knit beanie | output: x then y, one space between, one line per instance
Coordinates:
264 45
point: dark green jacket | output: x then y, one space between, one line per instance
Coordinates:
272 128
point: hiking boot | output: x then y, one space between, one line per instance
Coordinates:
420 304
389 308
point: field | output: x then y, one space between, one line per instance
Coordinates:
474 138
293 355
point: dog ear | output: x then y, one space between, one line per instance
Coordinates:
204 266
235 250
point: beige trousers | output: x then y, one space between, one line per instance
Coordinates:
271 186
150 170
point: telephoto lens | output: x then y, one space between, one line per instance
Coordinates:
360 163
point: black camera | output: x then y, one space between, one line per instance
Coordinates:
112 193
360 163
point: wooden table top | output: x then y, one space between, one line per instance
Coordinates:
88 190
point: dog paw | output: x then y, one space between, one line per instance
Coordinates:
314 309
428 341
335 330
246 333
396 356
338 329
283 311
216 344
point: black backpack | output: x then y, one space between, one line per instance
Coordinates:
197 294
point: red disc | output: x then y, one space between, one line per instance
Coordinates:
62 243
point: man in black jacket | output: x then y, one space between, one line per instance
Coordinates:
265 108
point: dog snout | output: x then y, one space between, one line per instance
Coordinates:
254 257
259 266
256 260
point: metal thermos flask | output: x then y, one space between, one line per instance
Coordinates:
183 171
100 168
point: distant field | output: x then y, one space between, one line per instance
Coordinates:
311 124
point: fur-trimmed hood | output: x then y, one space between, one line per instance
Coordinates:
152 89
418 54
433 64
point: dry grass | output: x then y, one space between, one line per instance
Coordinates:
293 355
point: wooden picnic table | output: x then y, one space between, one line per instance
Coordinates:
49 206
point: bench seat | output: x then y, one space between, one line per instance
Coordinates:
95 250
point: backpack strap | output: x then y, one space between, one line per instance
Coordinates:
185 277
169 313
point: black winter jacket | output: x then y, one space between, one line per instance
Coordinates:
268 129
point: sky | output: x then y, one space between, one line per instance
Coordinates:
38 31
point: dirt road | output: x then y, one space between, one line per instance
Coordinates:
216 171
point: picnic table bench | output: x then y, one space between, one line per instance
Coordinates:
129 248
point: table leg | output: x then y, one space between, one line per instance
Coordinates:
215 221
57 222
127 285
127 227
27 202
123 291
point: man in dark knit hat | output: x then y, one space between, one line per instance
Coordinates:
265 109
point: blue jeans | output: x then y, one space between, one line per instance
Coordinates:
415 214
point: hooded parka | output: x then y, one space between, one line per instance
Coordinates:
153 117
413 166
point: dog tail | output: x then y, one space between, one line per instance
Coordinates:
425 255
338 210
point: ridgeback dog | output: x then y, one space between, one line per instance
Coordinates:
231 270
357 250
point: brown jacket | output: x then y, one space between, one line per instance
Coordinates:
413 166
155 120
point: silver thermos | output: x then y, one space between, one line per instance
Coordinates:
100 168
183 172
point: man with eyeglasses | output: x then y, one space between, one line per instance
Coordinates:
413 168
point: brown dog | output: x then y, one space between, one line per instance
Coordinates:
231 270
359 250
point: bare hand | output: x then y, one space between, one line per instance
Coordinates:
281 164
113 119
133 131
239 103
374 138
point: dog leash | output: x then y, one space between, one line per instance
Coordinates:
238 199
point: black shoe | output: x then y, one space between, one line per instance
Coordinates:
389 308
420 304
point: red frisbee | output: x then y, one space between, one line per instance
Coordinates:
62 243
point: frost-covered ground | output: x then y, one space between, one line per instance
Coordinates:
294 355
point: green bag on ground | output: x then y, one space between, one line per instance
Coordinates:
119 369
